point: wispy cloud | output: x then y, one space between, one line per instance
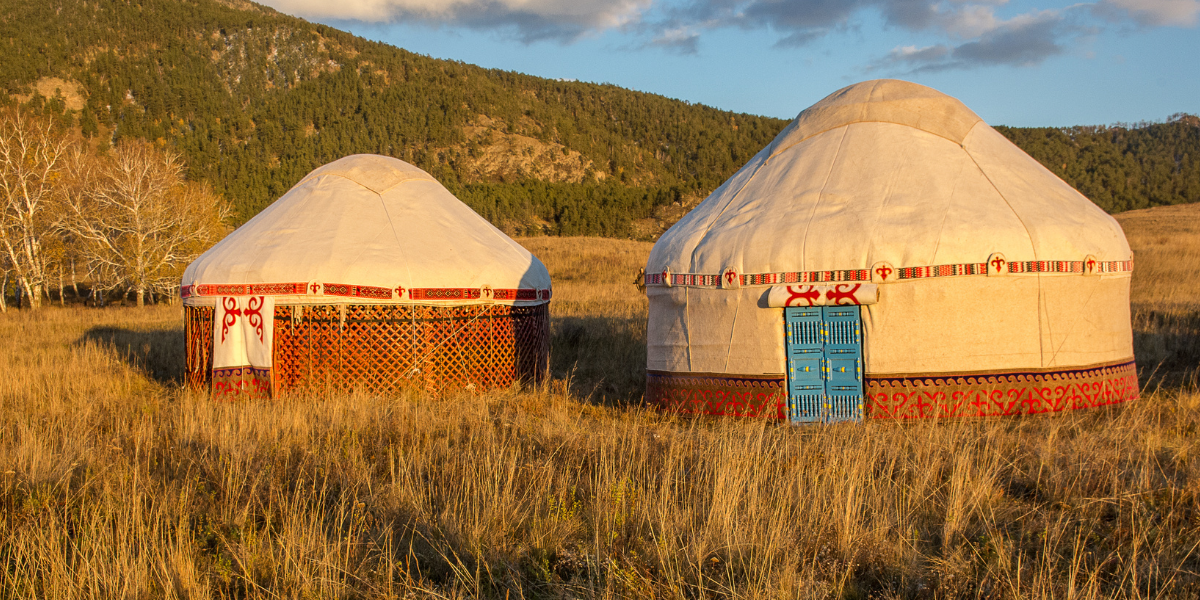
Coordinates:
1177 13
528 20
1024 40
683 40
971 32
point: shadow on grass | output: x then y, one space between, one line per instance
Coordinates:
603 357
1167 346
160 354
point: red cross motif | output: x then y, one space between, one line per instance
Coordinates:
842 291
729 275
998 264
884 271
232 312
316 287
399 291
253 314
802 292
665 278
1091 264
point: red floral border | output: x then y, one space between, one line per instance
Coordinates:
235 383
1000 394
717 394
906 397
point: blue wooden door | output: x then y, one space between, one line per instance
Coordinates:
824 353
805 356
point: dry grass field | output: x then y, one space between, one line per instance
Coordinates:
1166 288
116 483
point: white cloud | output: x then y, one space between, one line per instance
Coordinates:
909 54
679 39
972 33
970 21
1175 13
532 19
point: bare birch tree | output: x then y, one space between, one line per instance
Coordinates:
138 222
31 153
3 286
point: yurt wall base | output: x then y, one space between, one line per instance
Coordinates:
381 348
899 397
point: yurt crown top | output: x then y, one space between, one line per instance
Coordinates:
883 101
376 173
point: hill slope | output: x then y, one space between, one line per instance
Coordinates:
255 99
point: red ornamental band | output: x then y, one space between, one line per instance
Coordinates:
898 274
944 396
362 291
1000 394
838 294
717 394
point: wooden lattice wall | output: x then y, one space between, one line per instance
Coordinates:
381 348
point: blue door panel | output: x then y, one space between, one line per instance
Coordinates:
805 353
824 353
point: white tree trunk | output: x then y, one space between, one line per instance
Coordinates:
141 297
3 293
35 296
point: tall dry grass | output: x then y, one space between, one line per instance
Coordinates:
114 482
1165 296
598 315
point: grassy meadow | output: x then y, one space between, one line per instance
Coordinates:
117 483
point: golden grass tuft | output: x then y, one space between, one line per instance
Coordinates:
115 482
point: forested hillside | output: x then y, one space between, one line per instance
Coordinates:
1122 167
255 99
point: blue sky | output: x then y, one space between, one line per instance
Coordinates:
1015 62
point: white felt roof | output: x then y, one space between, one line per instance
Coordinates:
889 171
370 220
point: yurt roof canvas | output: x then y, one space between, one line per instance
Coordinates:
887 171
369 228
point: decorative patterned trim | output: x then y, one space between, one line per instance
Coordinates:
242 289
999 394
1115 266
520 294
941 396
904 273
942 271
1046 266
360 291
444 293
357 291
718 394
235 383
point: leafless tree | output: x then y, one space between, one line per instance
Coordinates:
3 286
31 156
138 222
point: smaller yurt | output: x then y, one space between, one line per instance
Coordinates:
370 275
890 255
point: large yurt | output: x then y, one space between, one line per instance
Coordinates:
369 275
889 255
